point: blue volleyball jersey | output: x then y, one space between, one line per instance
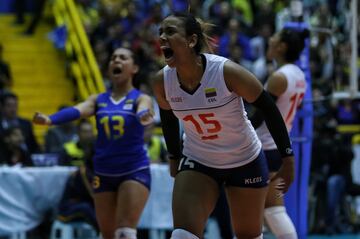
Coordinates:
119 148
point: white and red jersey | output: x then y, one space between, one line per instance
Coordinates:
288 102
218 132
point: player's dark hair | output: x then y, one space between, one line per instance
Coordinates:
196 26
6 96
295 40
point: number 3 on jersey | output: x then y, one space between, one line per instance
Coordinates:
205 125
113 127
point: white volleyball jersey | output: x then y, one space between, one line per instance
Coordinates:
287 103
218 132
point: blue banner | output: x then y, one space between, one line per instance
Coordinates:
296 199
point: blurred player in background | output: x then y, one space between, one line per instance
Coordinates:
121 166
287 87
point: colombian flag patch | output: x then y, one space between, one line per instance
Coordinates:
210 92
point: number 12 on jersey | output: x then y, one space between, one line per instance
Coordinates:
295 101
205 125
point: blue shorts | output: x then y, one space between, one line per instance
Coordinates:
102 183
252 175
274 159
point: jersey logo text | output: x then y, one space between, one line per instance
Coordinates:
211 100
253 180
176 99
102 105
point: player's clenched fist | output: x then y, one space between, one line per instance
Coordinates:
41 119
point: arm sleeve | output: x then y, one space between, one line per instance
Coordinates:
257 118
275 123
171 130
65 115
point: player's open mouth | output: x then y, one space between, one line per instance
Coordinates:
117 71
168 52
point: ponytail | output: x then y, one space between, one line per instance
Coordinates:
208 41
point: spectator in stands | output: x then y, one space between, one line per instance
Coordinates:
234 36
102 55
243 11
57 136
154 19
5 74
219 12
155 147
39 6
122 169
13 150
322 42
77 203
236 55
19 7
331 175
346 112
178 5
75 152
132 20
339 182
9 117
264 16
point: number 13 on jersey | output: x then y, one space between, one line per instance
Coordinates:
205 125
113 126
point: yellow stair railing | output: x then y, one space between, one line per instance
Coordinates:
83 65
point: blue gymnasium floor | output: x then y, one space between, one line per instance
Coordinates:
213 233
357 236
335 237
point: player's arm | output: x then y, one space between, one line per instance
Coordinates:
145 110
169 123
243 83
276 86
68 114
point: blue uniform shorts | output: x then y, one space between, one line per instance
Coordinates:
103 183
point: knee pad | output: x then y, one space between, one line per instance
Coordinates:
182 234
125 233
280 223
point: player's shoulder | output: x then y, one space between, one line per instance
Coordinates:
290 68
99 97
215 58
158 77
